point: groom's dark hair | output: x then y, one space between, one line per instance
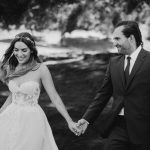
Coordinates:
131 28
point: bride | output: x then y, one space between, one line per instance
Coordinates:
23 124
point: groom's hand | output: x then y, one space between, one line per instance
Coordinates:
82 124
73 127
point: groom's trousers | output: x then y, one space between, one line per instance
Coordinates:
119 139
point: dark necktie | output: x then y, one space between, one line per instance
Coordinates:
127 69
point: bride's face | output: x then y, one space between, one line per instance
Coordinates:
21 52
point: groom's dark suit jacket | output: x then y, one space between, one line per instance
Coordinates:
134 96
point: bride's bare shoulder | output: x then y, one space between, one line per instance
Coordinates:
44 69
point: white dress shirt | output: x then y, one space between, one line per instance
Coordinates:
133 56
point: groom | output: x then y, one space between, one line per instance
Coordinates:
127 79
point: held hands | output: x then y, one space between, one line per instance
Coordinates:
73 127
79 127
82 125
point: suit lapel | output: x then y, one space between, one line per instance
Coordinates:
121 69
138 63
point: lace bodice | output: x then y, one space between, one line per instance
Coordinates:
25 94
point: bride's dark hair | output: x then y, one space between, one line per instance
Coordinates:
9 57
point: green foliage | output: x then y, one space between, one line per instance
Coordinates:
11 11
67 15
34 14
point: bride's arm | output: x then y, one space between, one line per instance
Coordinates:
55 98
9 98
7 102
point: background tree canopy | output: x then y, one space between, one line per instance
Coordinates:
68 15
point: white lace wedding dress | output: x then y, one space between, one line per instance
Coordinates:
23 124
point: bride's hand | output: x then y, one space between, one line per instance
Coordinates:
73 127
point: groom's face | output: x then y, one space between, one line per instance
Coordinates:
120 41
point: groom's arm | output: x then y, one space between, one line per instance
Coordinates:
101 98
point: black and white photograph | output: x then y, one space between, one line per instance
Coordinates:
74 75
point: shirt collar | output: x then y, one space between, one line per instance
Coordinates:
135 53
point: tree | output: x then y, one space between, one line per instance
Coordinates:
11 11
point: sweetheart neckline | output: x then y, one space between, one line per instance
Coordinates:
19 86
